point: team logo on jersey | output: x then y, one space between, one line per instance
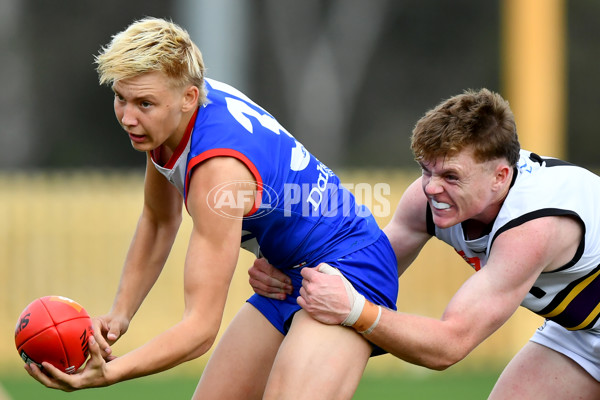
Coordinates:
315 197
228 196
474 262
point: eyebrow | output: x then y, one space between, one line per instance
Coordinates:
148 97
423 166
443 171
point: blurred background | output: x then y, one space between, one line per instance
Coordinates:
348 78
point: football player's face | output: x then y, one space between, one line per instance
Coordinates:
459 188
150 110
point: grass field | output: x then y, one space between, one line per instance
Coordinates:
446 385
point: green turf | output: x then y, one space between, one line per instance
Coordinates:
149 388
430 385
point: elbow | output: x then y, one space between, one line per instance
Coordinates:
453 347
200 350
445 359
203 344
441 364
198 341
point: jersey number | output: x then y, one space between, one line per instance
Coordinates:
240 110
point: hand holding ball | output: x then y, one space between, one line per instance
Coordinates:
54 329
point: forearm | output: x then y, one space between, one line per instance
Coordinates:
479 308
145 260
420 340
187 340
191 337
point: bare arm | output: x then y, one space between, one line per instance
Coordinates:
211 259
486 300
210 262
152 241
407 231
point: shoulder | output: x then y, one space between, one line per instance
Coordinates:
413 204
221 168
546 243
220 180
411 212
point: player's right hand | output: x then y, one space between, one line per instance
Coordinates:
93 374
357 300
268 281
107 330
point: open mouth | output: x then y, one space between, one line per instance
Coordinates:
136 138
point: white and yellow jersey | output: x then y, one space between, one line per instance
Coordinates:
570 295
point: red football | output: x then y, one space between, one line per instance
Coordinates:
54 329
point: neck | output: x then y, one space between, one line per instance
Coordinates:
186 123
474 229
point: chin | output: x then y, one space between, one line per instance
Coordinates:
142 147
444 222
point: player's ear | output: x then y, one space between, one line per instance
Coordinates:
190 98
502 174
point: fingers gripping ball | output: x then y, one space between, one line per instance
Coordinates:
54 329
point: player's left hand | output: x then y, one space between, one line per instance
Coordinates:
268 281
325 295
92 375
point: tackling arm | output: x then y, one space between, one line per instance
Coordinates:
407 231
486 300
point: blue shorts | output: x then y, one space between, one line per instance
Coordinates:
372 270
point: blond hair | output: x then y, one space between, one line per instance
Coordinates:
479 119
152 44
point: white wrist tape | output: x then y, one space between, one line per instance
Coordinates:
357 300
357 306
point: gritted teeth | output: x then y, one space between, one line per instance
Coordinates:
440 206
